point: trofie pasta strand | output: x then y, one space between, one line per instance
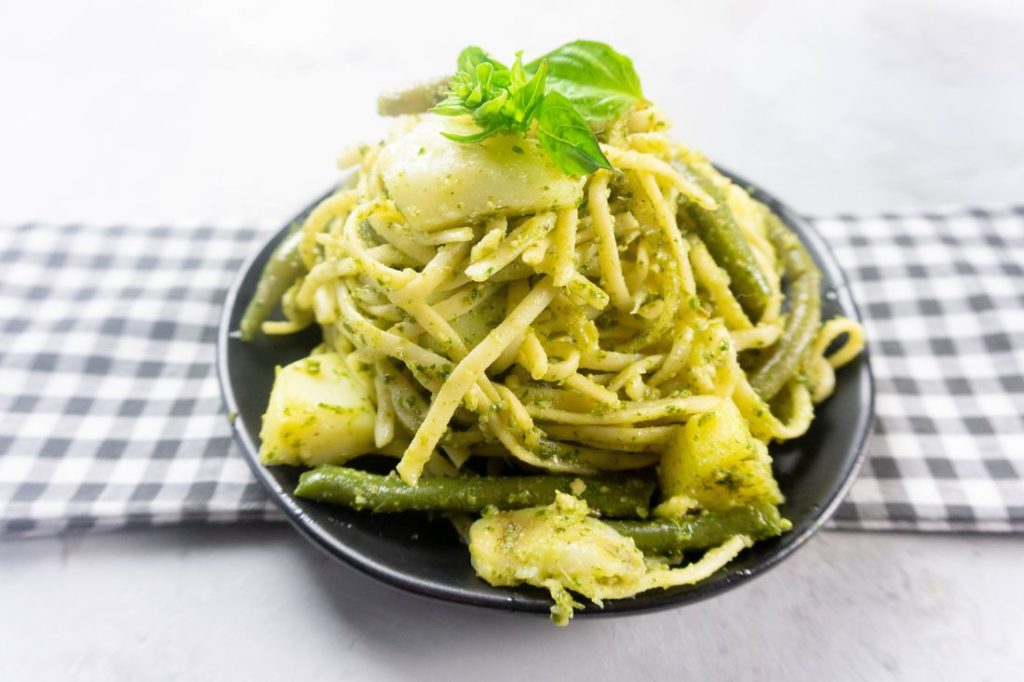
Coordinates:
503 304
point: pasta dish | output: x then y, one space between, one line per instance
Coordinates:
572 336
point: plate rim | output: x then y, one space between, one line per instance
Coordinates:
320 536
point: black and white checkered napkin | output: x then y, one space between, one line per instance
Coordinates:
110 413
943 300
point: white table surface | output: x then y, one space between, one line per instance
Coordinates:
231 113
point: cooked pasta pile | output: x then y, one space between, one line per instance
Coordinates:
611 321
496 317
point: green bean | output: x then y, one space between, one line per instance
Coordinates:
709 529
616 497
282 269
727 245
803 318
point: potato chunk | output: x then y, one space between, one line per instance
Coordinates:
320 412
555 547
437 182
717 462
560 547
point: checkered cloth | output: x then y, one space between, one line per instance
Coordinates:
943 300
110 414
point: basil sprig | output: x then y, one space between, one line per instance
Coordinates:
600 82
562 92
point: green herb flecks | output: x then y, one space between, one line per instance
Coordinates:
567 137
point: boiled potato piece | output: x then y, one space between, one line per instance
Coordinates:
437 182
320 412
717 462
557 547
560 547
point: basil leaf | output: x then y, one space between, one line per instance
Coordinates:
498 98
567 137
474 137
600 82
527 94
559 93
451 106
473 56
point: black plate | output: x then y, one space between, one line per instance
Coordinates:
423 556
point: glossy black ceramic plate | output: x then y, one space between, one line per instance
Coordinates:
426 557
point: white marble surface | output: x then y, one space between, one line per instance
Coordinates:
232 112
